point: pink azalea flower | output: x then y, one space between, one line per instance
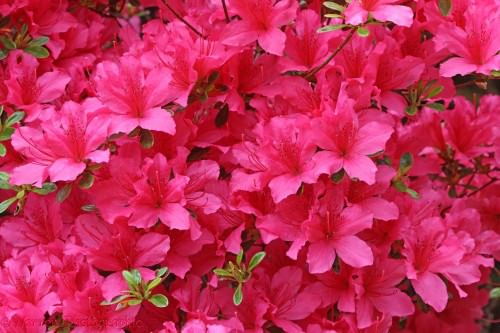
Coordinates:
160 197
476 44
21 284
41 223
331 234
32 91
62 149
282 159
133 96
376 289
382 10
261 21
89 316
431 250
347 143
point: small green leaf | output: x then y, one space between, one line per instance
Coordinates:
37 51
405 163
6 204
222 272
444 7
40 41
20 194
334 6
4 181
334 27
45 189
436 90
24 29
363 32
401 187
129 278
6 133
239 257
435 106
411 110
154 283
3 54
86 181
495 293
14 118
338 176
134 302
495 73
333 15
256 260
147 139
116 299
8 43
160 272
238 295
64 193
159 300
3 150
89 208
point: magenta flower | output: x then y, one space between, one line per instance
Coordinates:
133 96
346 144
63 148
382 10
261 21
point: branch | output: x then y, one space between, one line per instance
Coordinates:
183 20
335 52
226 13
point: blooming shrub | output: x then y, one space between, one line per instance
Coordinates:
249 165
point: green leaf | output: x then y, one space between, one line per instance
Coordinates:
333 15
334 6
435 106
338 176
20 194
40 41
363 32
116 299
8 43
435 91
37 51
334 27
6 133
86 181
444 7
4 181
239 257
88 208
134 302
3 150
238 295
24 29
147 139
222 272
495 73
154 283
3 54
405 163
45 189
64 193
495 293
411 110
129 278
159 300
6 204
256 260
401 187
160 272
14 118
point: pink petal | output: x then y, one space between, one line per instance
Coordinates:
273 41
380 208
372 138
52 85
157 119
98 156
152 249
400 15
355 14
397 303
30 173
239 33
283 186
432 289
353 251
455 66
320 256
175 216
361 167
65 169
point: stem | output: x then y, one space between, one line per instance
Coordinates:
183 20
335 52
483 187
226 14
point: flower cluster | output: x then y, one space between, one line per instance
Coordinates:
248 165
